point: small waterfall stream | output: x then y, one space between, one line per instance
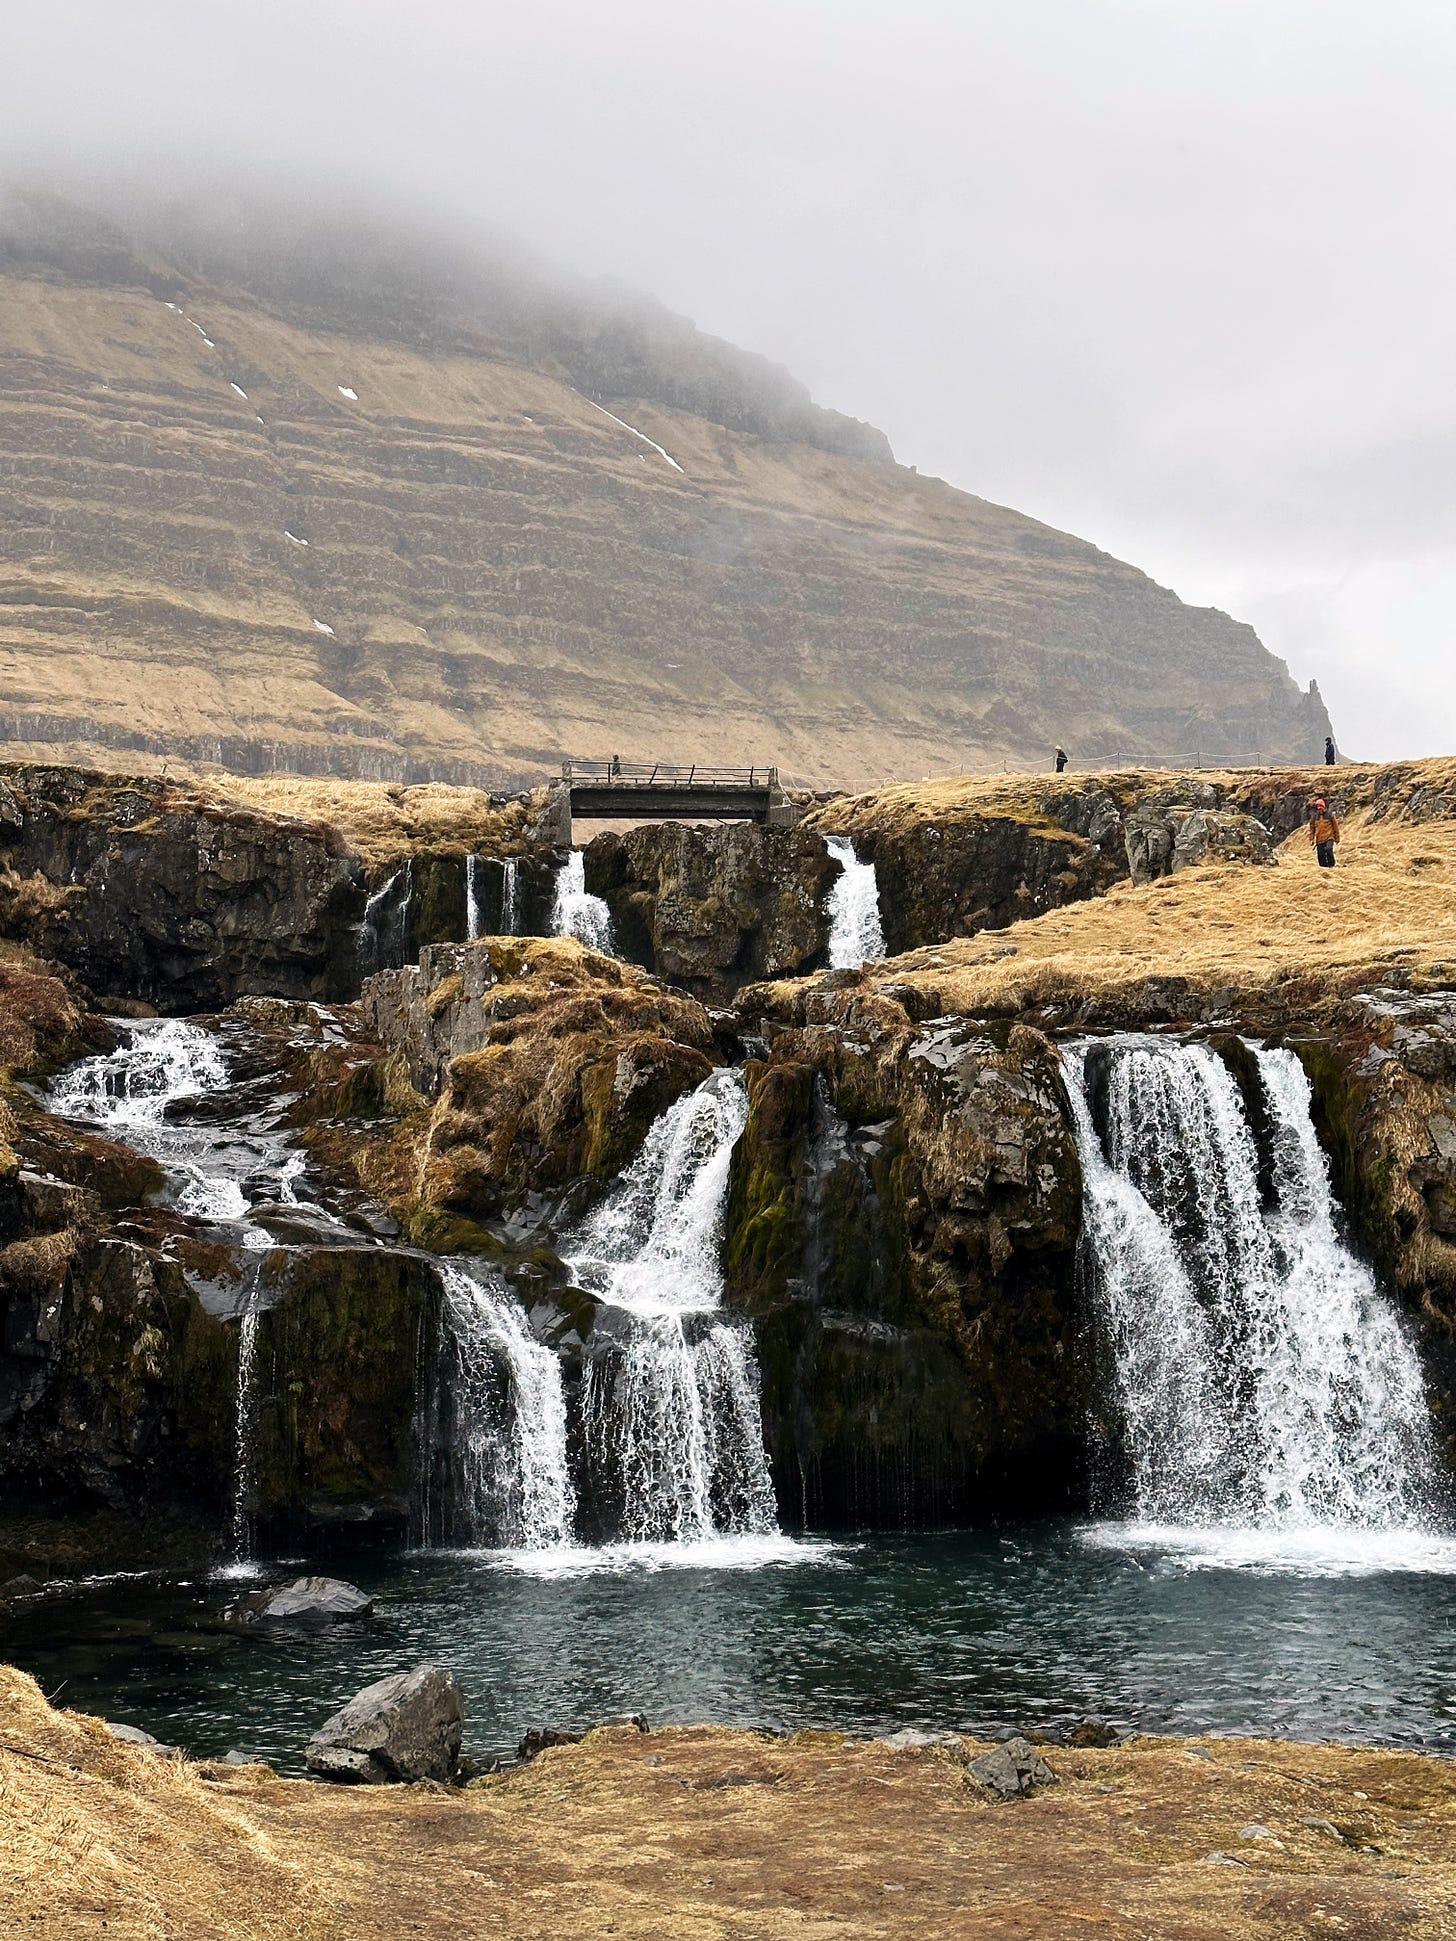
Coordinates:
509 1449
384 930
856 935
673 1411
1261 1378
576 912
510 918
474 922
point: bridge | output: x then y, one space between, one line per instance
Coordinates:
620 791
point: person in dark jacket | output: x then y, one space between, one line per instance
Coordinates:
1329 751
1061 759
1324 833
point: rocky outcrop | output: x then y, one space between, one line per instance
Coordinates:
407 1727
150 890
546 1062
307 1604
902 1226
952 868
1162 839
715 908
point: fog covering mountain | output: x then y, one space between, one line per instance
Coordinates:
286 483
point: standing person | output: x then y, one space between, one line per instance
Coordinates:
1329 751
1061 759
1324 833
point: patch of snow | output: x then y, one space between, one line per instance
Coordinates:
324 628
297 542
257 419
528 418
237 387
171 306
345 392
635 432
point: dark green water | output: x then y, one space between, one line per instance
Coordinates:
1036 1624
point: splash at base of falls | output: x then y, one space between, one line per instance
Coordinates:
1260 1378
576 912
856 935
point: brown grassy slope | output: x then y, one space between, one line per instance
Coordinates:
510 576
382 820
1390 902
698 1834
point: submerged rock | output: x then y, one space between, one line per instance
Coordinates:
307 1604
405 1727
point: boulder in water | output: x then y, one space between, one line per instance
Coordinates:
307 1604
405 1727
1012 1770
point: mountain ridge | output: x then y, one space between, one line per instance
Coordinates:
471 520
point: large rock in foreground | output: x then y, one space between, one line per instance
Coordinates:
405 1727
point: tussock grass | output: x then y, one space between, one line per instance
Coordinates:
382 820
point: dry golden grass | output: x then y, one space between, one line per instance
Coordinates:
381 819
703 1834
1390 902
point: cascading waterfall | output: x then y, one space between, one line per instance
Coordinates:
1261 1377
576 912
673 1411
129 1092
512 1485
855 933
245 1411
384 930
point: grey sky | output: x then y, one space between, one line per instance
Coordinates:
1176 275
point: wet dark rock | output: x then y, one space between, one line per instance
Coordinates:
150 890
404 1727
715 908
1013 1770
540 1737
307 1604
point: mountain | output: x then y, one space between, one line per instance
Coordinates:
329 493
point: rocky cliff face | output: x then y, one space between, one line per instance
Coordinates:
714 908
902 1226
151 891
469 531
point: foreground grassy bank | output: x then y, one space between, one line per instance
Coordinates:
698 1832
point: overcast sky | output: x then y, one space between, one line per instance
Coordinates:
1176 275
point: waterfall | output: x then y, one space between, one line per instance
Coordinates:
384 930
474 927
510 918
509 1446
855 933
1260 1376
671 1411
576 912
129 1092
245 1412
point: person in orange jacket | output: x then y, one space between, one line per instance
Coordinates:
1324 833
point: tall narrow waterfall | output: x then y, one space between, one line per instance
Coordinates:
474 923
510 916
672 1411
855 933
511 1484
1260 1375
576 912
